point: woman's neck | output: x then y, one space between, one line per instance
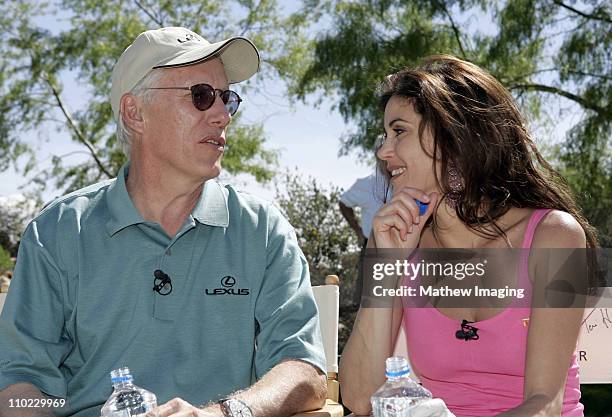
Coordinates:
451 232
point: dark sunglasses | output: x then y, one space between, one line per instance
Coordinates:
203 96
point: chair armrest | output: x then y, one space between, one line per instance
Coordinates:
331 409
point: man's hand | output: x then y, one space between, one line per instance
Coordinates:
290 387
349 215
178 407
360 239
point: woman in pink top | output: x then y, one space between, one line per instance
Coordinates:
454 138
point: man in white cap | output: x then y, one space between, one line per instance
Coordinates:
200 290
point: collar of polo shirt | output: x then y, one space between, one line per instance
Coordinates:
211 209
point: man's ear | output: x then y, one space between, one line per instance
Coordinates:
131 111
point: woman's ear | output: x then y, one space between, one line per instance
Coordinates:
131 112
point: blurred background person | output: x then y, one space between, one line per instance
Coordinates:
367 194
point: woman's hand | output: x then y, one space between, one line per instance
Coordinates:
398 225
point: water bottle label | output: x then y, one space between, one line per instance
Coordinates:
141 409
117 413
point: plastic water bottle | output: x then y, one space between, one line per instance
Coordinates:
397 396
127 399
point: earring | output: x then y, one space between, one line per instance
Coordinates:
456 185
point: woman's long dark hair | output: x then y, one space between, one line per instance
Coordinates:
477 125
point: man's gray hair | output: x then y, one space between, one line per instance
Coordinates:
124 136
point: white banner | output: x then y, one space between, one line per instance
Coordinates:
595 343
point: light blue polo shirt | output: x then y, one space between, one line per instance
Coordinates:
81 301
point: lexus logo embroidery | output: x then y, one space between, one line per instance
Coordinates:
228 281
227 288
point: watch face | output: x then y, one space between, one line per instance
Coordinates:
237 408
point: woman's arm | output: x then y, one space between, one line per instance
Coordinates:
362 364
553 332
397 225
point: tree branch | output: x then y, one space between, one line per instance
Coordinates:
554 90
148 13
523 76
588 74
454 27
75 129
585 15
250 19
196 16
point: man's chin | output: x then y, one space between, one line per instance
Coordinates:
212 172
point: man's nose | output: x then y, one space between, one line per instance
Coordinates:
217 114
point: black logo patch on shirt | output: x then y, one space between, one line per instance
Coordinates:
227 288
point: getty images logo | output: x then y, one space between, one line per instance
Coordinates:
227 282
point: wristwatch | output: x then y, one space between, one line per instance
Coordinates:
233 407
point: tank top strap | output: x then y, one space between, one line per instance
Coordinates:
535 219
523 270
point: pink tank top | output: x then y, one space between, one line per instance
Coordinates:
485 377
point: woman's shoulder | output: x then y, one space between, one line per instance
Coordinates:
559 229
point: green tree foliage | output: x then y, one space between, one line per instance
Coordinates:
6 263
87 38
324 236
539 49
15 214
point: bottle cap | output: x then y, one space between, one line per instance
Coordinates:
397 366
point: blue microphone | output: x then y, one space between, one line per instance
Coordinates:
422 207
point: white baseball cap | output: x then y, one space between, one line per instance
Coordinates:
179 47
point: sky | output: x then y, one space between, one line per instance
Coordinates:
306 137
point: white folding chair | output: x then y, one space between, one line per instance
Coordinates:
2 297
327 298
